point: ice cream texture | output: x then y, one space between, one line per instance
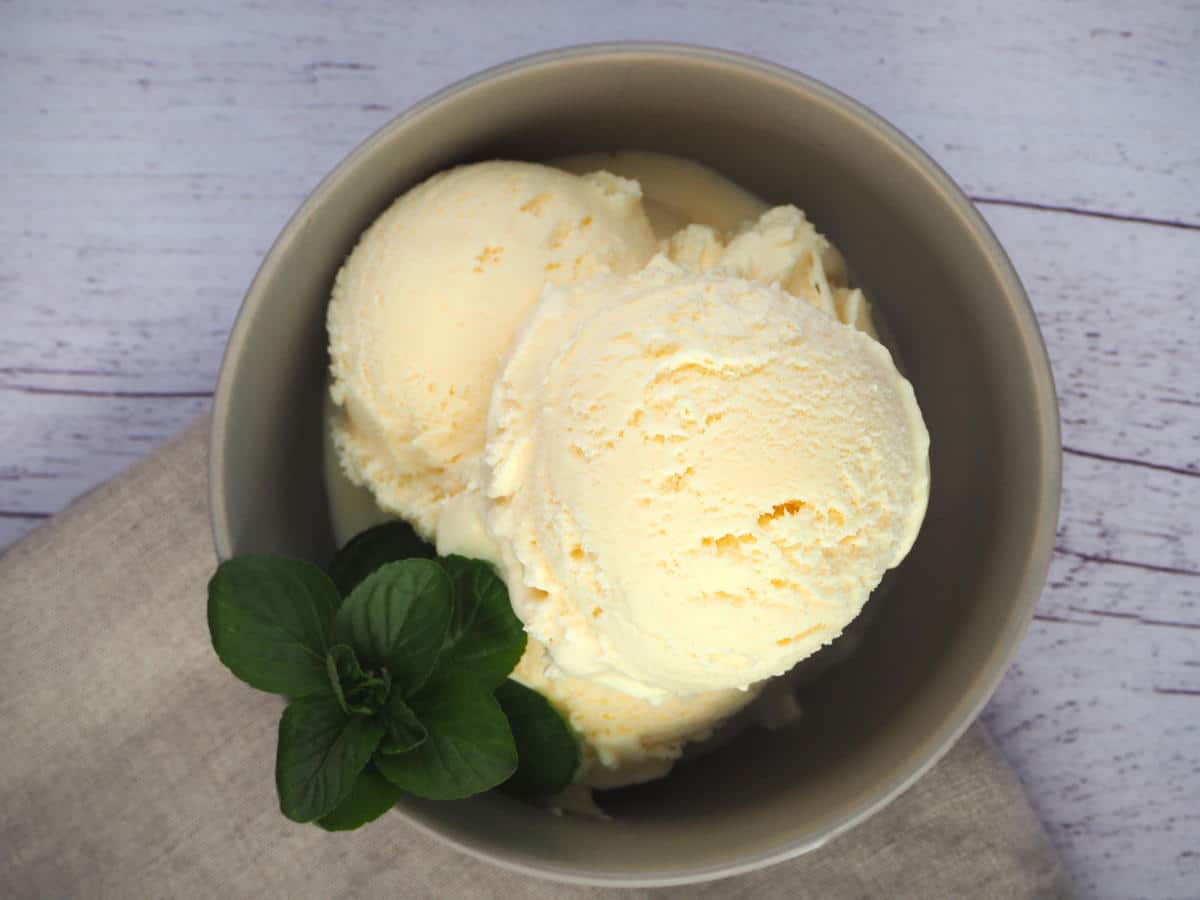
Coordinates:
425 308
704 221
422 322
695 480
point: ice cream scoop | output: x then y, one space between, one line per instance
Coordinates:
696 480
779 247
405 427
704 220
425 308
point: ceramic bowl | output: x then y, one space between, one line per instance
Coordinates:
938 643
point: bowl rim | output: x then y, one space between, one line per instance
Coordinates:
987 678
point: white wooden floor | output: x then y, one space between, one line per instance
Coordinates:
149 152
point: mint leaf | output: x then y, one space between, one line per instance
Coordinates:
404 730
356 691
469 749
486 639
269 620
371 796
370 549
321 752
397 619
547 748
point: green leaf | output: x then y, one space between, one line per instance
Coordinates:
469 749
404 730
357 691
397 619
486 639
370 549
321 751
269 620
547 748
371 796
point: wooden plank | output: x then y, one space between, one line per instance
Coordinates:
1108 749
108 306
1134 516
1117 308
56 446
1092 590
1031 101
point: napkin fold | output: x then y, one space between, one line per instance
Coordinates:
133 765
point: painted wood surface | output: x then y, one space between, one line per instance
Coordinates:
149 153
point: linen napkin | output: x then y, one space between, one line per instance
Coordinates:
133 764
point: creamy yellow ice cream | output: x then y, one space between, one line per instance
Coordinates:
705 221
676 192
425 308
780 247
629 740
423 315
695 480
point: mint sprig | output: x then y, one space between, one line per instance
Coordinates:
370 549
485 640
397 618
371 796
547 747
401 686
270 619
321 751
405 731
470 747
356 691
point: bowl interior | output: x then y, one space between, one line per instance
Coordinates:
940 640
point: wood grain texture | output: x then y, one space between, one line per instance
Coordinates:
150 153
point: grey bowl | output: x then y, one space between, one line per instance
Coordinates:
960 603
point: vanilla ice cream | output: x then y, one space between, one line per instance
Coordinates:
628 739
705 221
695 480
423 315
425 308
780 247
676 192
